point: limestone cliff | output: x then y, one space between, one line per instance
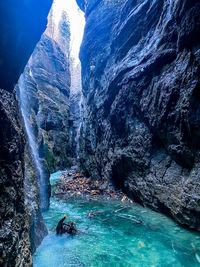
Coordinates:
47 82
76 108
43 92
140 72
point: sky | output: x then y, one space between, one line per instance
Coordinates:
77 22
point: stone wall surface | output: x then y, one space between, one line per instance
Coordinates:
21 25
14 227
37 228
46 97
141 84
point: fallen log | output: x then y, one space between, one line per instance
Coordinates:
91 214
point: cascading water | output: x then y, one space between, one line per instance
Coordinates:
76 102
24 103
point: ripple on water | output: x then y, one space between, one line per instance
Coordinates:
115 238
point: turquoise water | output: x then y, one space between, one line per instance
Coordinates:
114 238
55 177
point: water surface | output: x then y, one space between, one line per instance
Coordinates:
114 237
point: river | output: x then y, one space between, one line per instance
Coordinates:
115 238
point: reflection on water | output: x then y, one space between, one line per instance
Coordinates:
115 237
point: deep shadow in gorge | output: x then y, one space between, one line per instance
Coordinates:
21 27
138 125
27 159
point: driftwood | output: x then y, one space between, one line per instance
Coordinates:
91 214
115 211
131 217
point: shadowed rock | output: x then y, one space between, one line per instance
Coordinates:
21 25
140 73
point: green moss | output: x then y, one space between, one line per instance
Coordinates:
48 151
69 162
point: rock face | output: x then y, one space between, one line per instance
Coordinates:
21 27
43 92
76 108
140 71
47 82
37 228
14 231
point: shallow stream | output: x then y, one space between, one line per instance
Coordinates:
115 237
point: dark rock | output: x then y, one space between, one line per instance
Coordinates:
37 228
141 88
70 228
21 26
45 101
14 227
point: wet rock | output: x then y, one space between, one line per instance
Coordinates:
21 28
37 228
141 89
43 92
14 226
47 81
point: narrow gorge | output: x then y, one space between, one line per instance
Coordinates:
100 122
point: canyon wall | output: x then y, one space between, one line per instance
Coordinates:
43 93
14 231
76 109
141 83
21 27
46 97
36 227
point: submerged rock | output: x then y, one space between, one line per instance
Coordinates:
140 73
66 228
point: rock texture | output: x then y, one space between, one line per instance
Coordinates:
140 72
21 27
75 108
44 91
47 82
14 227
37 228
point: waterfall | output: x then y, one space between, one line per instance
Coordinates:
42 181
57 31
76 102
